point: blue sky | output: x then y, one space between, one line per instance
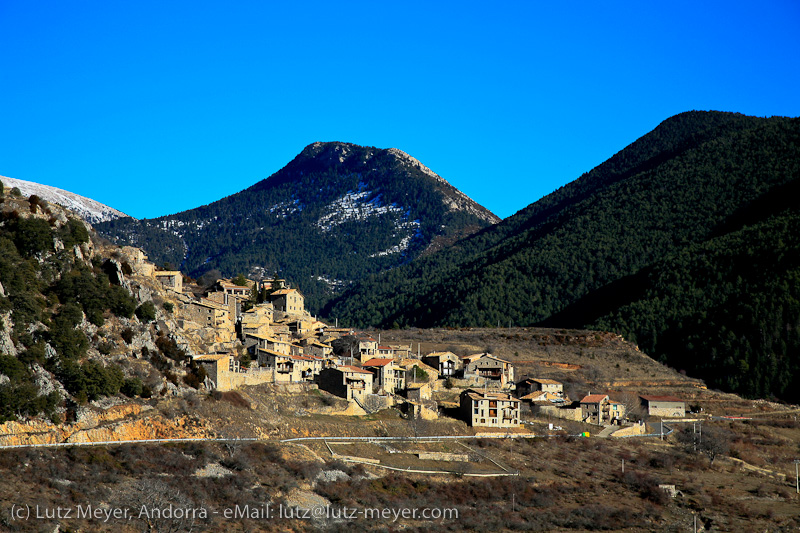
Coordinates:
157 107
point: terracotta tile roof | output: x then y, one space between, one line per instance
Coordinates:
441 354
545 381
375 361
211 303
409 363
594 398
661 399
476 357
210 357
480 395
283 292
354 369
274 353
540 395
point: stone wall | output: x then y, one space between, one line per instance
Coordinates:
558 412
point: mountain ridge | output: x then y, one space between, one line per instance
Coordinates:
697 177
336 213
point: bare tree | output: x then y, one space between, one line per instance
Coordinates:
158 506
709 440
633 406
419 426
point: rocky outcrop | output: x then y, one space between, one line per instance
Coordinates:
6 344
118 423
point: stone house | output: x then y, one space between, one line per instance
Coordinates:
664 406
242 292
210 315
543 397
307 368
138 262
257 318
254 342
495 371
411 375
320 349
447 364
283 367
386 351
367 347
289 301
301 326
419 391
489 409
224 372
171 280
390 377
529 385
599 409
348 382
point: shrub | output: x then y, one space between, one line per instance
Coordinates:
16 192
73 232
132 387
91 380
32 236
120 302
95 316
127 335
170 349
168 307
196 375
105 347
34 201
146 312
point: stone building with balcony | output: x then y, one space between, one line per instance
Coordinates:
488 369
348 382
489 409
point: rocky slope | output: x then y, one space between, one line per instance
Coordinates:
90 210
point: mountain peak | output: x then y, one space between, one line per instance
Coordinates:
336 213
364 160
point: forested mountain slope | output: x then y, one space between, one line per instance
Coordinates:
726 310
673 187
335 214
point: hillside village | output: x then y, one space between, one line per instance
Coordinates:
250 332
222 362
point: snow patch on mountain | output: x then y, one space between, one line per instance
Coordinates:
354 206
90 210
405 242
333 283
283 209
